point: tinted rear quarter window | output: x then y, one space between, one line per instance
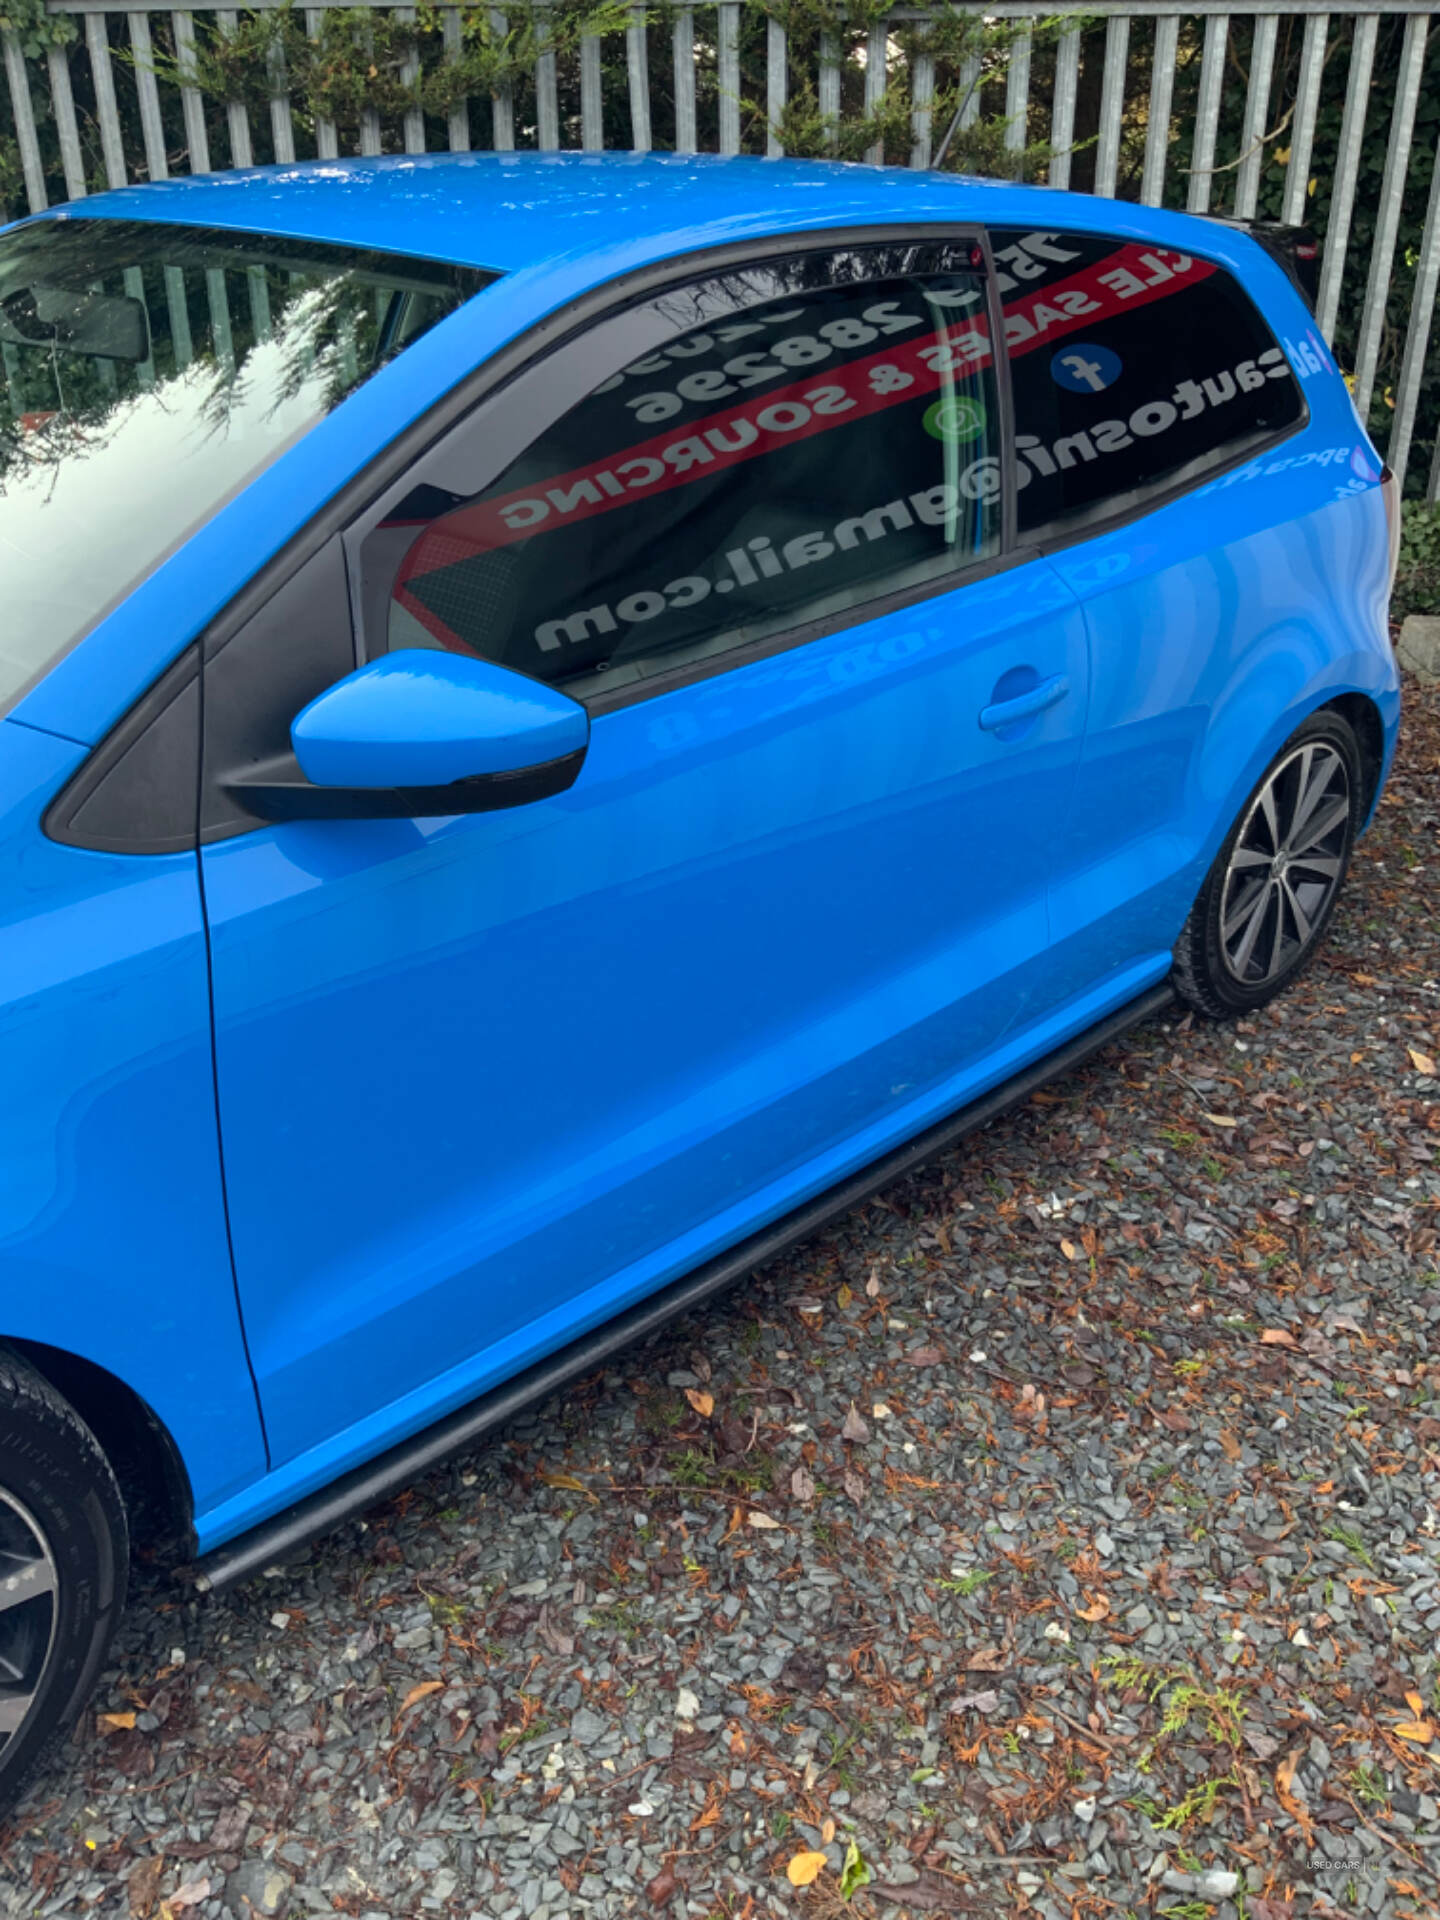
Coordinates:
1135 369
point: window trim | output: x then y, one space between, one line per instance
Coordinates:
1046 543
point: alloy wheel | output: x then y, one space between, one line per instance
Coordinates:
29 1608
1286 864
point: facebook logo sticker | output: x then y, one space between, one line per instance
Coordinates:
1085 367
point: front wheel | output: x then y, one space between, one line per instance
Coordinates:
1268 898
64 1557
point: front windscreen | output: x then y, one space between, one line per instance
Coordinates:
149 371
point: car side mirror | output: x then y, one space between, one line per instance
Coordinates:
421 733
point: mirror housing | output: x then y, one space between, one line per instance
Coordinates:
421 733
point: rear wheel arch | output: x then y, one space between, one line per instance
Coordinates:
139 1446
1368 727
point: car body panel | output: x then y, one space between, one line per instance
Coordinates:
1217 622
1199 633
112 1217
776 906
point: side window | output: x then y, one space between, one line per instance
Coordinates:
1134 368
826 435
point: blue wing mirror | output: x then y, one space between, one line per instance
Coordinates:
422 733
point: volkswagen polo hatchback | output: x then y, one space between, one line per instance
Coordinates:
566 715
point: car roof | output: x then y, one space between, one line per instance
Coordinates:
513 210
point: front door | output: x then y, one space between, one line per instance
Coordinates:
483 1081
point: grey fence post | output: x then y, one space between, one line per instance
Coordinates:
1347 168
282 124
1062 114
63 100
502 103
97 43
829 89
1207 112
19 78
1417 336
1307 105
192 101
1162 93
1112 103
592 117
877 53
683 49
327 136
1257 115
414 126
776 86
729 76
152 129
1017 94
638 61
1392 192
922 94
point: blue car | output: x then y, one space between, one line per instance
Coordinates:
566 716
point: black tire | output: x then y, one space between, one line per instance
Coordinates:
64 1563
1214 972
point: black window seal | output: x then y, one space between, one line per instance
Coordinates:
1046 543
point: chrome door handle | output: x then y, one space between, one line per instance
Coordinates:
1006 712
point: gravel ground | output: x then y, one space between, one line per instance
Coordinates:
1056 1534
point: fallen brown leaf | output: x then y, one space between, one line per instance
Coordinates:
663 1887
115 1722
1229 1444
924 1357
143 1886
1422 1732
987 1660
701 1401
805 1869
1099 1609
855 1429
1422 1062
419 1693
1276 1337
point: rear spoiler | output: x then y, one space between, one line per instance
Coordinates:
1296 248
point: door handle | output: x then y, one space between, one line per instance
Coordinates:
1005 713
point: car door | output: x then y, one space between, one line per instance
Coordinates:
485 1080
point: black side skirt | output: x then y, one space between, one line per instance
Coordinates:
365 1486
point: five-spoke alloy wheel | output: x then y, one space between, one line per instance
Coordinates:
1272 889
64 1556
29 1590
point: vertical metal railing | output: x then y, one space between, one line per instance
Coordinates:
1212 105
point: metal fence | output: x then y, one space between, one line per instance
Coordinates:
116 49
